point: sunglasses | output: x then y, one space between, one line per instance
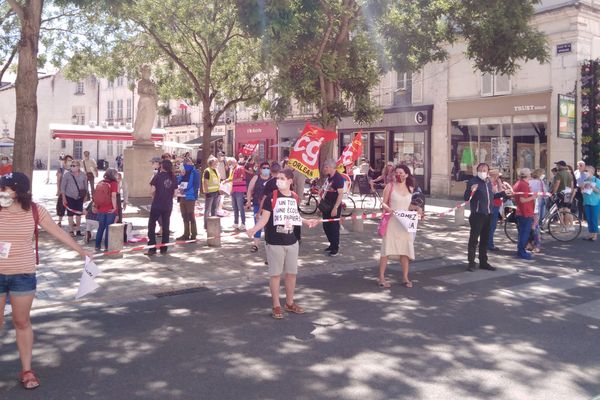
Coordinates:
74 165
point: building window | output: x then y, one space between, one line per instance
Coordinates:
119 110
78 115
109 148
495 85
129 103
120 81
306 109
63 144
79 87
119 147
109 111
111 83
401 81
77 149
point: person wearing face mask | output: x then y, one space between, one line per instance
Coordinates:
537 185
480 195
590 188
189 184
255 194
5 166
73 188
210 186
65 162
18 216
279 216
332 198
525 212
237 177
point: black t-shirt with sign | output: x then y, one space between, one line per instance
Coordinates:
165 185
280 235
333 183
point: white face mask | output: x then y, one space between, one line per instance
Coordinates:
482 175
282 185
6 200
4 162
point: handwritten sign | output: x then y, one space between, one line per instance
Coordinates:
408 219
88 284
286 213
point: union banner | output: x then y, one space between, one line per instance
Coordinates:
304 156
250 148
350 153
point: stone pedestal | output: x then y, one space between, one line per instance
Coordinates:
213 231
357 225
115 238
138 170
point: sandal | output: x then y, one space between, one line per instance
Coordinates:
294 308
384 284
408 284
277 314
29 380
254 248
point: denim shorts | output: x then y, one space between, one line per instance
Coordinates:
18 284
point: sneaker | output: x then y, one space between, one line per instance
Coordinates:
334 253
493 248
236 226
328 248
526 256
472 267
242 227
487 266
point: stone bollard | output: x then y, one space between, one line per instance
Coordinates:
115 238
357 225
213 231
459 216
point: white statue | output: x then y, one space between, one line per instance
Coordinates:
146 113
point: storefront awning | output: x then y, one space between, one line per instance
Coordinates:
197 142
7 144
175 145
85 132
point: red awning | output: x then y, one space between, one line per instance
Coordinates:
83 132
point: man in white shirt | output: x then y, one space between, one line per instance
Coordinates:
91 170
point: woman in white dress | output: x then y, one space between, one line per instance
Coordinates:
397 241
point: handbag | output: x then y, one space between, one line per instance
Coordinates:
383 224
82 192
325 206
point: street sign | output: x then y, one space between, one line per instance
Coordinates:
563 48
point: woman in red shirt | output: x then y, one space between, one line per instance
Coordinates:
525 203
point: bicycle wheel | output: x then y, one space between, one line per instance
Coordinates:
511 231
309 206
371 201
348 206
564 226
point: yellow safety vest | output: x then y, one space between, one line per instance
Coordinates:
214 182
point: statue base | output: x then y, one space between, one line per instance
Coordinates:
138 170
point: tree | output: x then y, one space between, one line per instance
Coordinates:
9 39
197 50
330 52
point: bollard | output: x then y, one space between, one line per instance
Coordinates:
115 238
358 225
213 231
459 216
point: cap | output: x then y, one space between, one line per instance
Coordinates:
155 159
561 163
17 181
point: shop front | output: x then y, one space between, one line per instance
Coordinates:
403 136
265 132
508 133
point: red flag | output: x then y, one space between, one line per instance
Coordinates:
351 152
183 105
304 156
250 147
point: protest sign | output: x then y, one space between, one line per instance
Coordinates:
88 284
286 212
408 219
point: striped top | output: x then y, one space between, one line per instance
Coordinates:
17 228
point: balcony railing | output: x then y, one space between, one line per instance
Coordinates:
180 120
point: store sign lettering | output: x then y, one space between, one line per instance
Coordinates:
529 108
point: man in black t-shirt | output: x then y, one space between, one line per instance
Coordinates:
332 196
163 185
279 217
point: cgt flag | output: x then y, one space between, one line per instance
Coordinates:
304 156
350 153
250 148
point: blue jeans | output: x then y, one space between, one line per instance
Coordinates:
591 214
493 225
256 207
104 220
524 226
237 200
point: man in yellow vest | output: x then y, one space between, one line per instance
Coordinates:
210 187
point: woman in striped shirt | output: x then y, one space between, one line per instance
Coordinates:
18 261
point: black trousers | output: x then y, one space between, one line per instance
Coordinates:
165 216
332 230
480 232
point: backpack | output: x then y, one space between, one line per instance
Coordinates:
36 232
103 194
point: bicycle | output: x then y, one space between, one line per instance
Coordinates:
372 198
561 224
311 204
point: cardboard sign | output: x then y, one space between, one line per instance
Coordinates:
286 212
181 189
304 156
226 188
408 219
4 249
88 284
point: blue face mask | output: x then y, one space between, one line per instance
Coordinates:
266 171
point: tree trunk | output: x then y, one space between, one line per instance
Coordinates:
207 128
26 87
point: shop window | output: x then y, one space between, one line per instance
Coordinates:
464 154
378 154
530 148
495 84
77 149
409 149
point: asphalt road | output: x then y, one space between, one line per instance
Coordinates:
527 331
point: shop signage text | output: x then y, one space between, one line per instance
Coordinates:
530 108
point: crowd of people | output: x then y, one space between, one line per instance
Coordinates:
273 193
